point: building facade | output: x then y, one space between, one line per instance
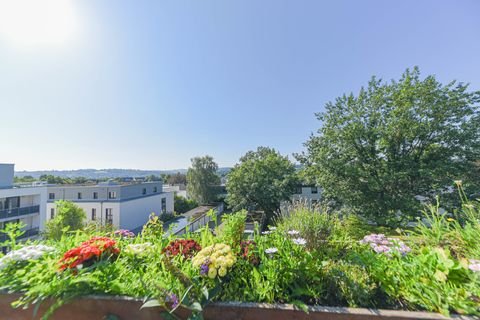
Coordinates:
309 194
125 206
21 205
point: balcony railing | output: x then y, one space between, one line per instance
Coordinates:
17 212
28 233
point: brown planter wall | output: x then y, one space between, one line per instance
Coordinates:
93 308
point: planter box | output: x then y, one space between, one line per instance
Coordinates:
124 308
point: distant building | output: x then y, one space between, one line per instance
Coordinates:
311 194
125 206
178 189
25 205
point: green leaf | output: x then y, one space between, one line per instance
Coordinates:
196 307
151 304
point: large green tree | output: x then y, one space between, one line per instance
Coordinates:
261 181
202 180
393 141
68 217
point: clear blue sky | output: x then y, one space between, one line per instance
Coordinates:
150 84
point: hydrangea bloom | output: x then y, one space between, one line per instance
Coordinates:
474 265
27 253
140 249
381 244
300 241
124 233
219 258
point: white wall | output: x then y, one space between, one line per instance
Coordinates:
88 206
135 213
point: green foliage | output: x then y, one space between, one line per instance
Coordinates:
231 230
202 179
261 180
183 205
176 179
335 270
376 151
13 231
69 217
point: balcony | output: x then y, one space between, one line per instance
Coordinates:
18 212
28 233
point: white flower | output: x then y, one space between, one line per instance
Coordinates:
266 232
33 252
474 265
293 232
300 241
272 228
139 249
271 250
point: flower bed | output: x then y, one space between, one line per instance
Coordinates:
308 259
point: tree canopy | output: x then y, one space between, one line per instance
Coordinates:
68 217
393 141
202 179
261 181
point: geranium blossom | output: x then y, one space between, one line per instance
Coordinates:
27 253
88 252
185 247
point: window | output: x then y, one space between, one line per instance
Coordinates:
112 195
51 196
144 191
52 213
164 205
79 195
108 216
155 189
94 214
298 190
95 195
314 190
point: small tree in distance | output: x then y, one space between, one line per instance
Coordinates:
261 181
202 180
68 217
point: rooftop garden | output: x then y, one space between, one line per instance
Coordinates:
309 256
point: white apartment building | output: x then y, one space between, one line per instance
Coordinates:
310 194
125 206
26 204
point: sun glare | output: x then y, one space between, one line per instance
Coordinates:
37 22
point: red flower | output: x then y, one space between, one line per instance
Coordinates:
89 252
186 247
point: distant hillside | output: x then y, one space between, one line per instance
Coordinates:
104 173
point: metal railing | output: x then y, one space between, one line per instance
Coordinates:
200 222
17 212
28 233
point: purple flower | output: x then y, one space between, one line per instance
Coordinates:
124 233
172 299
204 268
